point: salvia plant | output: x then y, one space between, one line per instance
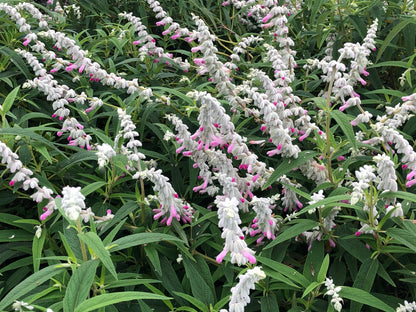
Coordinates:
206 156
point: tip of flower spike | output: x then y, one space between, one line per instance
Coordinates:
11 183
358 233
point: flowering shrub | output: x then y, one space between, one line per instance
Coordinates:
234 156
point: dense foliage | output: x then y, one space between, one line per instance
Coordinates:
197 155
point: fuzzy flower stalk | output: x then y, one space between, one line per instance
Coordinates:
229 220
240 292
333 292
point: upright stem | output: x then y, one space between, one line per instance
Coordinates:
328 121
142 193
83 250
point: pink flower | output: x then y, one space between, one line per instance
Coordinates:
221 256
199 61
267 17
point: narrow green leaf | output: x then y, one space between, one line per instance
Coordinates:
121 213
390 64
323 270
286 270
393 33
310 288
276 276
365 279
109 238
294 230
198 303
364 297
30 283
269 304
16 221
90 188
140 239
29 132
175 92
17 264
346 126
403 236
8 102
159 292
399 194
153 256
15 236
288 164
130 282
79 285
104 300
316 5
68 249
221 303
199 286
41 148
95 243
37 247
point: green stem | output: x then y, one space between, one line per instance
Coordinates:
328 121
83 250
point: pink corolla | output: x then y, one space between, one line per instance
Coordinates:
199 61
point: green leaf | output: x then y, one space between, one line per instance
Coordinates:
109 238
399 194
90 188
153 256
199 304
16 221
403 236
29 132
8 102
310 288
15 236
41 148
199 286
359 295
79 285
346 126
365 279
170 280
276 276
140 239
302 225
30 283
17 60
288 164
390 64
316 5
286 270
123 212
130 282
323 270
68 248
269 304
103 300
95 243
393 33
221 303
37 247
